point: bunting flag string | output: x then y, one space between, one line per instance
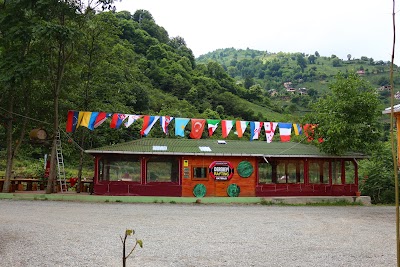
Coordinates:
269 130
92 120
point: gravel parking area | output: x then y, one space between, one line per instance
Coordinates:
52 233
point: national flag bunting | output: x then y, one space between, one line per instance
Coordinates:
148 123
226 127
212 125
132 119
89 119
269 130
241 127
285 130
92 120
72 120
197 128
80 116
255 128
297 129
117 119
101 117
180 124
165 121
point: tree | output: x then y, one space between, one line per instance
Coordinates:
336 62
376 175
19 65
348 117
316 54
348 56
301 62
311 59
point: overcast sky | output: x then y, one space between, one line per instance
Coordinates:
340 27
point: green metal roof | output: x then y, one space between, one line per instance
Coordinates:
212 147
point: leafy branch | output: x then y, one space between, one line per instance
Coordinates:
129 232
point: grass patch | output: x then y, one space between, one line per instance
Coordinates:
341 202
118 200
107 200
172 202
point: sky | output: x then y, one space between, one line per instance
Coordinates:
340 27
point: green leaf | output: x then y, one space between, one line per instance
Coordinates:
140 243
129 232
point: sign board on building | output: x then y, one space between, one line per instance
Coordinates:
221 170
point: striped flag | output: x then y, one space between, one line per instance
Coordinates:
226 127
297 129
212 125
241 127
101 117
255 128
148 123
285 130
165 121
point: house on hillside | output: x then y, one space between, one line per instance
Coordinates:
360 72
287 85
303 91
291 90
220 168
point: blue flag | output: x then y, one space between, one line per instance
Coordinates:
180 124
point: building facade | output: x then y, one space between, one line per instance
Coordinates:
220 168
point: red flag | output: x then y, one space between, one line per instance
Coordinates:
197 128
72 119
101 118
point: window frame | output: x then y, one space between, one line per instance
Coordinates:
206 178
163 159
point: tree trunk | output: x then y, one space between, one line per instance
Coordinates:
9 123
78 186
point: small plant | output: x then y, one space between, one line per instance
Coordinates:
172 202
129 232
118 200
107 200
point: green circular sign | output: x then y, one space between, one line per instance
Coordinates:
245 169
233 190
199 190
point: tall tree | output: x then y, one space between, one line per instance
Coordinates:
348 117
18 67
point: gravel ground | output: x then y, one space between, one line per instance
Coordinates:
50 233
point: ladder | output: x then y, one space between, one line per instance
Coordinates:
60 164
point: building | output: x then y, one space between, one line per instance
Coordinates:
209 167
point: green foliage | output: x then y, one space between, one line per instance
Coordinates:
348 117
377 176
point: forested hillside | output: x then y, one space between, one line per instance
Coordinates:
54 59
311 74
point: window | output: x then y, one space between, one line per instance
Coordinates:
264 173
318 172
349 172
162 169
281 172
336 172
122 168
200 173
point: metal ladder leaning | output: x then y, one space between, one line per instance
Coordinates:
60 164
